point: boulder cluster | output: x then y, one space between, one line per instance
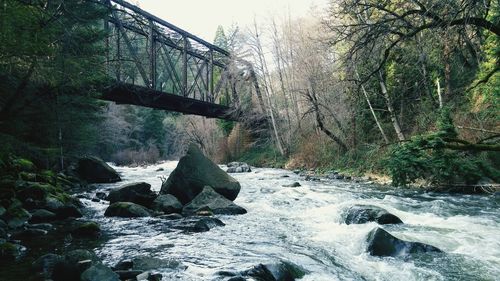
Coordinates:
34 203
196 187
380 242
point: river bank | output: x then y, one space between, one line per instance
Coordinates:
300 226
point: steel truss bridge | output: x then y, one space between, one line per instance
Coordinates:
156 64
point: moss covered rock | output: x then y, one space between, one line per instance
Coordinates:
86 229
10 251
126 210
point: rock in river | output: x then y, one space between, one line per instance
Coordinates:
282 271
139 193
126 210
359 214
99 272
94 170
208 199
167 203
193 173
382 243
238 167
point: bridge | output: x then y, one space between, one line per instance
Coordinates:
156 64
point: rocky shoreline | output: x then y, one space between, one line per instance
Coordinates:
44 237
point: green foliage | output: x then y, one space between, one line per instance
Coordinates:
425 157
51 55
263 156
226 126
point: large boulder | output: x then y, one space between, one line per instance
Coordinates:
63 207
94 170
139 193
360 214
196 171
167 203
238 167
209 200
126 210
382 243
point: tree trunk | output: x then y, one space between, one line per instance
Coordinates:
386 140
268 89
311 95
390 108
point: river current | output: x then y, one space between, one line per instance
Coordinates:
303 226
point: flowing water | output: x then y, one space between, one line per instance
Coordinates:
303 226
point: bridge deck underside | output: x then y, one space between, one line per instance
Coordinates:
142 96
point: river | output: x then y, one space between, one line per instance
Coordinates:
302 225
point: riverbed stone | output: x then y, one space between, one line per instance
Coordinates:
193 173
128 274
17 216
167 203
126 210
63 210
73 264
238 167
45 265
150 263
359 214
42 215
99 272
210 200
281 271
294 184
139 193
382 243
93 170
28 234
11 251
86 229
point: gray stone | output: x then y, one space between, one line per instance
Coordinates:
28 234
128 274
17 217
167 203
170 217
139 193
126 210
238 167
99 272
295 184
282 271
150 263
196 171
359 214
11 251
45 264
124 265
42 215
382 243
209 199
94 170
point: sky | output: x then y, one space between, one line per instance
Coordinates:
202 17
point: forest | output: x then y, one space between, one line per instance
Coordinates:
408 89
